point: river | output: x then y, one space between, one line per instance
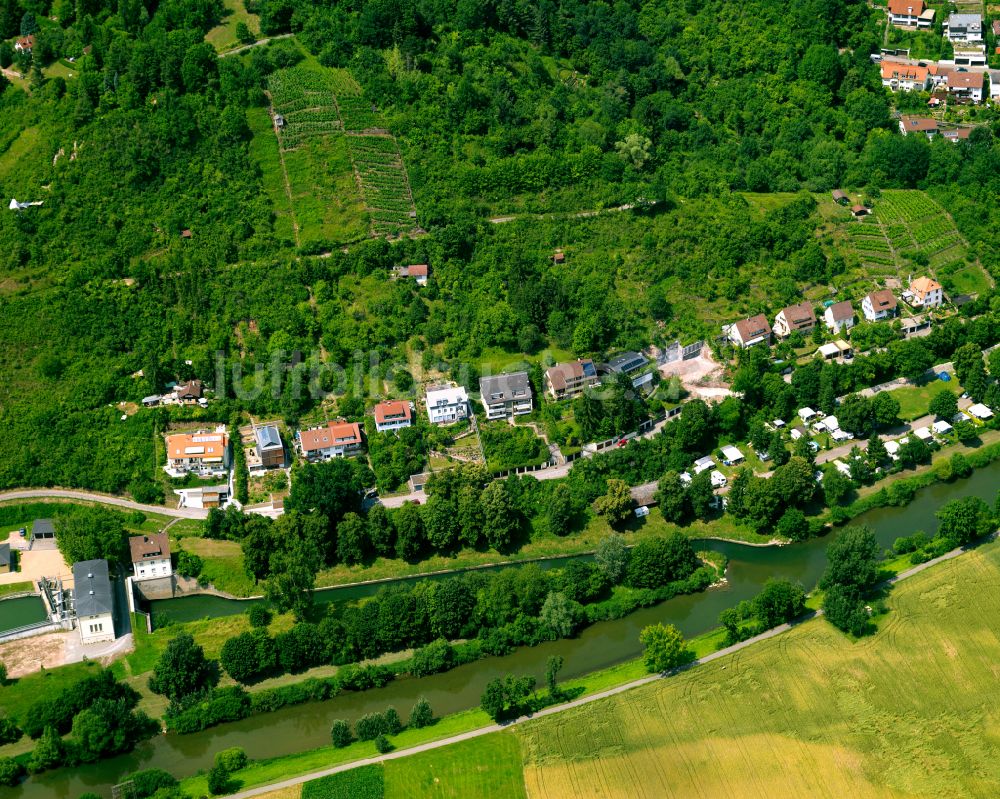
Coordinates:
304 727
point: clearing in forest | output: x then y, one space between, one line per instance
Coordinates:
907 712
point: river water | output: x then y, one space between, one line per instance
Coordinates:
304 727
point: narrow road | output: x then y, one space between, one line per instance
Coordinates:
584 700
257 43
107 499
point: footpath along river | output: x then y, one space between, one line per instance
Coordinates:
307 726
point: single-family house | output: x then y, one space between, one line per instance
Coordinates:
189 392
731 455
446 405
393 415
910 14
748 332
269 452
203 497
702 464
879 305
965 86
627 363
800 317
93 601
419 273
203 452
839 316
506 395
925 292
941 427
6 562
981 411
955 135
964 27
25 44
332 440
925 125
905 77
718 479
566 380
150 556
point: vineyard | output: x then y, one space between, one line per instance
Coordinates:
306 100
909 233
384 184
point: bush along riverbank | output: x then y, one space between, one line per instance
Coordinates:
448 623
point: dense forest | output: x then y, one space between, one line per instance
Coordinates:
156 248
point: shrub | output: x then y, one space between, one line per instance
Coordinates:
421 715
383 745
436 656
151 780
9 731
393 725
218 781
340 733
232 759
259 615
370 726
10 771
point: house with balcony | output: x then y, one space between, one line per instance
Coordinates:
839 317
205 453
506 395
392 416
332 440
568 380
446 405
924 292
964 28
748 332
965 86
799 318
905 77
910 14
879 305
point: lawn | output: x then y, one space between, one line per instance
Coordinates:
913 400
223 567
223 36
19 694
907 712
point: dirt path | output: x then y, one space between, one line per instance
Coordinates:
258 43
107 499
500 220
585 700
284 173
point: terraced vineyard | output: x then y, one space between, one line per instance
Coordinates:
306 100
909 233
384 184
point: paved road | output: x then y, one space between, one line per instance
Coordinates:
107 499
465 736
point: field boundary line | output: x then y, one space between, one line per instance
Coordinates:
584 700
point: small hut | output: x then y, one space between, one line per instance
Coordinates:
840 197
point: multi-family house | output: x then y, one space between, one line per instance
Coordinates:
446 405
202 452
910 14
905 77
392 415
506 395
332 440
150 556
795 318
925 292
964 28
879 305
566 380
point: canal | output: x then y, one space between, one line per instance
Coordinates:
304 727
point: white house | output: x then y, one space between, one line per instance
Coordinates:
964 28
926 292
93 601
839 316
910 14
879 305
447 405
904 77
794 318
748 332
334 440
392 416
150 556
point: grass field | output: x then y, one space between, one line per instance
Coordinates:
16 696
909 711
264 150
223 36
913 400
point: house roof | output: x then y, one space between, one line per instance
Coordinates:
392 410
5 555
149 547
957 133
560 374
802 312
189 390
924 285
503 388
859 209
919 124
841 311
92 588
268 437
732 453
446 395
892 70
941 426
965 20
43 527
627 362
923 433
913 8
201 445
980 411
882 300
754 327
417 270
333 434
964 80
26 42
839 194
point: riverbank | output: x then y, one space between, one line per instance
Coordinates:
285 771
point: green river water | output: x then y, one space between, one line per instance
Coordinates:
307 726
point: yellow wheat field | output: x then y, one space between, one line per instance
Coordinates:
913 711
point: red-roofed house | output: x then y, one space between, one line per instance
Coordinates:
418 272
334 440
925 125
905 77
391 416
25 44
965 85
748 332
910 13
